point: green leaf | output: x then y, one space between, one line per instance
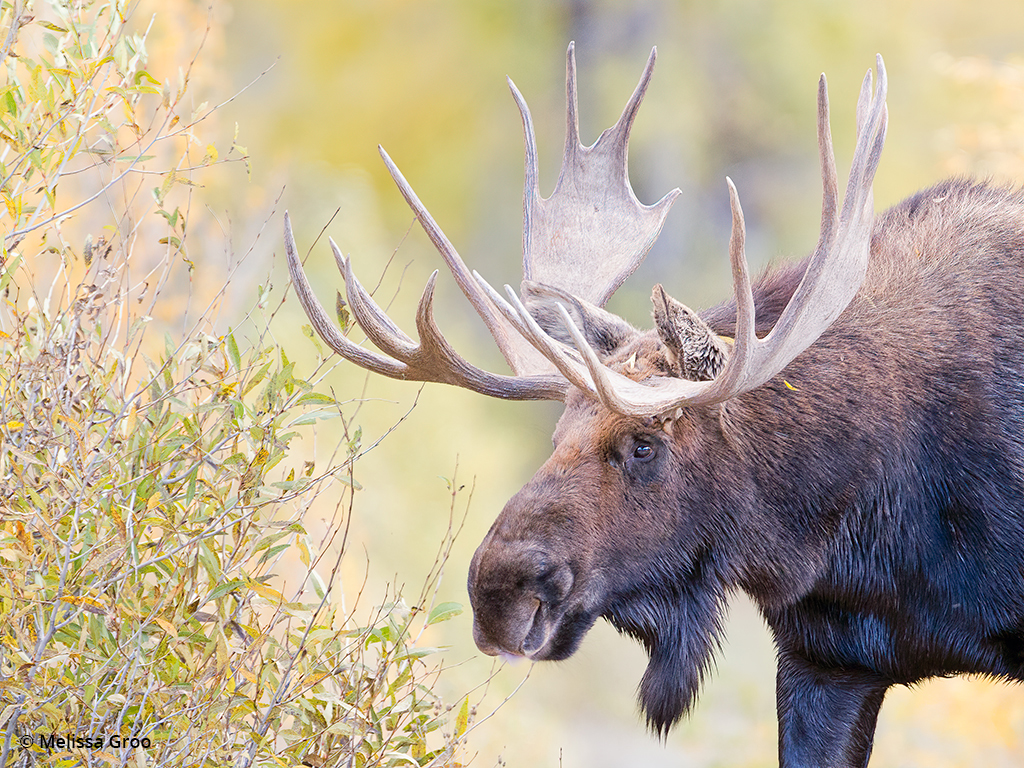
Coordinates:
233 353
316 398
190 492
418 653
341 311
9 270
314 416
443 612
222 589
256 379
271 553
268 541
172 218
9 102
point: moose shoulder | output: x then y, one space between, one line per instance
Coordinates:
842 440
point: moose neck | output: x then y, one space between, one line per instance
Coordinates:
776 467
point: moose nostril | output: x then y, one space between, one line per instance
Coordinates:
537 634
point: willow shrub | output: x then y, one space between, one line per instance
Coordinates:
141 528
151 491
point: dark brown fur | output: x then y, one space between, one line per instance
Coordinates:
870 498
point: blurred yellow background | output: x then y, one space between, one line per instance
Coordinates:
733 94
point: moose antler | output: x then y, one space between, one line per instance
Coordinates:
833 276
587 238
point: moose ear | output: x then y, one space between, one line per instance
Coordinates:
604 331
696 352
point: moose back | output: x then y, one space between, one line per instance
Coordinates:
843 440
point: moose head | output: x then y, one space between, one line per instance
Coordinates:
659 499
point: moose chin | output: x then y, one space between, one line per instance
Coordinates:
843 440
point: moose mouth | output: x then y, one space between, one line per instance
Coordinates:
536 630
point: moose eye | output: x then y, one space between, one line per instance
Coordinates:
643 451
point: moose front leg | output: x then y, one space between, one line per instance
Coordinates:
826 716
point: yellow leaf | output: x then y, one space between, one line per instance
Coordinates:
23 536
115 513
222 654
790 386
82 600
12 209
167 627
462 721
419 749
130 424
211 155
263 590
314 679
14 426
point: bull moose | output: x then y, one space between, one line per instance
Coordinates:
843 440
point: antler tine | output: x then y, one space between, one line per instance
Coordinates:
618 134
744 338
864 100
827 161
838 265
531 183
572 105
385 335
432 359
625 123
